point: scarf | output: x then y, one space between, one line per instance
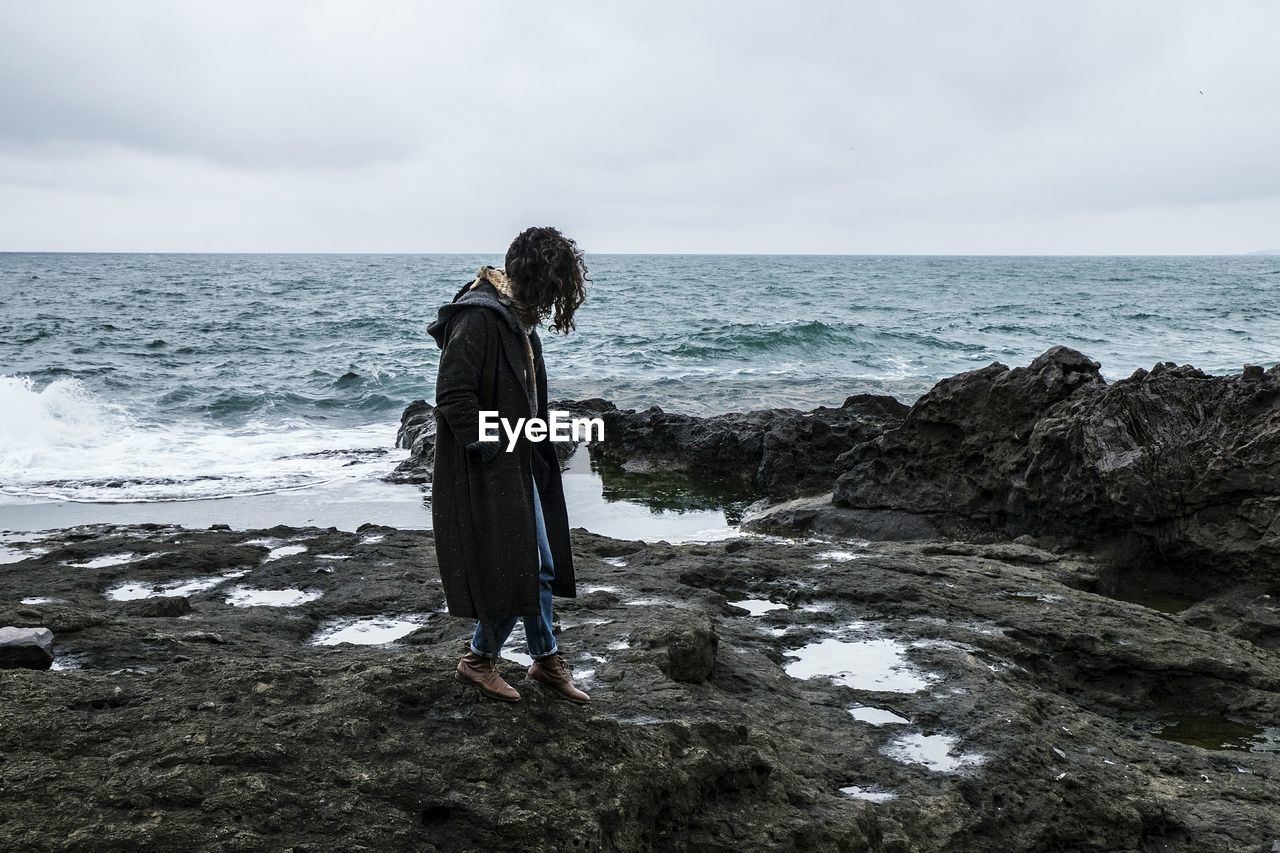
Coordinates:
506 294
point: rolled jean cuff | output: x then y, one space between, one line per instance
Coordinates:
482 654
555 650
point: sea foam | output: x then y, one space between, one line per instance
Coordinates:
62 442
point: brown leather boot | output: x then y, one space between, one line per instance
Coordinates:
483 673
553 672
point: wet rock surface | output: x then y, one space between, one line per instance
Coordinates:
1170 465
754 694
780 452
417 434
25 648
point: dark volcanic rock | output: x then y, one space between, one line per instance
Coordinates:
26 648
161 606
417 434
686 645
964 443
782 452
1170 463
592 407
1031 714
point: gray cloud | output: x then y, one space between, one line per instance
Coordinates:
715 126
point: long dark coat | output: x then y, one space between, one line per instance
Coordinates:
482 497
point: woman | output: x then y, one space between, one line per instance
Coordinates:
501 529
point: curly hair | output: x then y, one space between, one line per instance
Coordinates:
549 275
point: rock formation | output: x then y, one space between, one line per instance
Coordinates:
780 452
1171 465
754 694
417 434
26 648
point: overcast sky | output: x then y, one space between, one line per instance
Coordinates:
848 127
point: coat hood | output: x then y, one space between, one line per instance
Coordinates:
489 289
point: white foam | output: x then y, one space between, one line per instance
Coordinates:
370 631
758 606
936 752
247 596
61 442
876 664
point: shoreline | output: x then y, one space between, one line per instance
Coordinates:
347 505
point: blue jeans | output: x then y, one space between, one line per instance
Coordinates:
490 635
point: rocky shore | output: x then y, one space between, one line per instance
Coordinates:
1064 636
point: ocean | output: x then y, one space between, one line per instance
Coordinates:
155 378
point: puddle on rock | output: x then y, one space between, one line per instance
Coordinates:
133 590
616 562
871 795
284 551
247 596
372 539
818 607
566 624
42 599
1212 731
108 560
519 657
369 631
758 606
587 590
16 555
69 662
1031 595
839 556
877 716
936 752
1166 592
873 664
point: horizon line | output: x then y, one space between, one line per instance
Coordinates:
1256 253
